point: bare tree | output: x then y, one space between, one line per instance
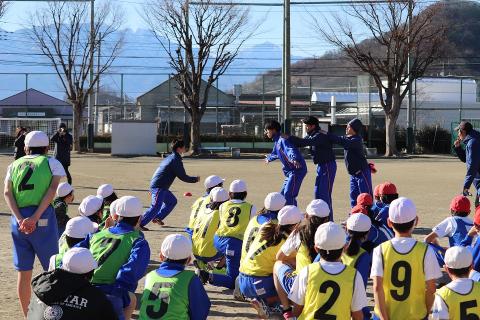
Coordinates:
62 32
385 54
201 41
3 7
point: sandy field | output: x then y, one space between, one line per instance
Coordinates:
431 182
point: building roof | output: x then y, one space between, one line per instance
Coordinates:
32 98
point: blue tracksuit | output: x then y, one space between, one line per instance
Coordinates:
467 242
163 201
471 156
324 157
379 233
198 301
356 163
382 215
132 270
287 154
232 249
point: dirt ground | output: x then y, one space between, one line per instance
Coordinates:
430 182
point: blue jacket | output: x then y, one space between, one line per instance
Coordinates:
286 152
170 168
467 242
132 270
471 156
198 301
354 156
320 146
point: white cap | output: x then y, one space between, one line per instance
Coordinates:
90 205
402 210
330 236
238 186
105 190
458 257
79 227
176 247
219 194
359 222
37 139
113 207
318 208
63 189
78 260
274 201
129 206
212 181
289 215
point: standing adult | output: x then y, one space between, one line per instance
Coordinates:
470 155
30 186
163 200
20 143
63 145
294 166
355 160
323 156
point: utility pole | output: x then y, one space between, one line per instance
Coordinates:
410 133
286 81
91 98
98 84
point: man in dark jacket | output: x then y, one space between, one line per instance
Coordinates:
163 201
20 143
357 165
63 145
323 156
470 155
66 293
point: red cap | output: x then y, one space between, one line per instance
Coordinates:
476 218
359 209
460 204
376 191
364 199
388 188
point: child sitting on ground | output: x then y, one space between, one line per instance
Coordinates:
106 192
60 204
92 208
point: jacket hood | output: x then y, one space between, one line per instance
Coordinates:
472 134
56 285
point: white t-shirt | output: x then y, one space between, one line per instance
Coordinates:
447 227
440 309
404 245
253 211
55 166
299 288
291 245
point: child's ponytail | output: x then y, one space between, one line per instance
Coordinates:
273 233
356 239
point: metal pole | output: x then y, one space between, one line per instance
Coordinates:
169 103
410 135
26 89
122 100
461 99
216 113
263 102
98 86
91 98
286 81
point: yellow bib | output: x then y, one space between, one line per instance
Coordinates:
203 232
234 219
462 306
260 258
328 296
249 235
302 259
404 282
352 260
196 207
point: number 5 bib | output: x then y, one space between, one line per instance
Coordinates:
404 282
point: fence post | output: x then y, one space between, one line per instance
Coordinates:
461 100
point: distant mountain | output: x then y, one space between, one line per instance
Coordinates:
141 55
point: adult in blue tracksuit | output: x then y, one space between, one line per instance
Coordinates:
357 165
294 166
323 156
471 156
163 201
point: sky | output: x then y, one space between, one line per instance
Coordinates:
304 41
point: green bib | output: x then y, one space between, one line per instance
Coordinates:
110 251
166 298
31 178
62 248
234 219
